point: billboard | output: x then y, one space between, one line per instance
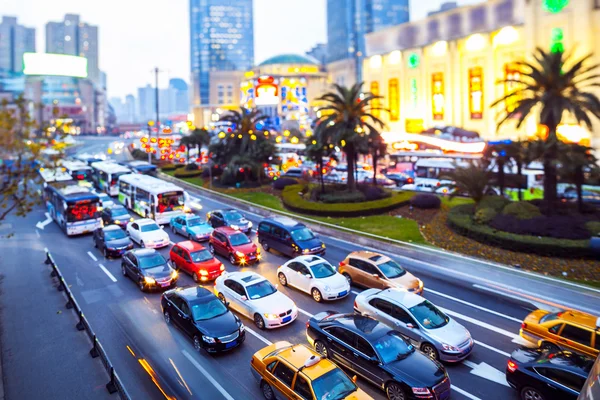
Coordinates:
54 64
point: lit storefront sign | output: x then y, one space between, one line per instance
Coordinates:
414 94
438 98
293 95
476 92
414 125
267 92
443 144
247 94
376 102
413 60
511 73
394 99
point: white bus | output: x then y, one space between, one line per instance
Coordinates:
58 174
78 170
74 208
151 197
106 176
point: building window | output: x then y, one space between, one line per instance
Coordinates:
394 99
438 97
375 104
476 92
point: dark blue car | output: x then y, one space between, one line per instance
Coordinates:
288 237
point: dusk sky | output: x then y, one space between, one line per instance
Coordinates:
136 35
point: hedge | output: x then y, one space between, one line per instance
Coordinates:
293 201
460 220
169 167
184 173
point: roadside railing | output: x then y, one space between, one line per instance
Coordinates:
114 385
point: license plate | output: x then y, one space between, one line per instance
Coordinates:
230 345
251 257
342 293
164 284
287 319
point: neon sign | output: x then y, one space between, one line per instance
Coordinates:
438 98
267 92
476 92
394 99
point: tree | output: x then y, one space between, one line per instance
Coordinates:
244 122
378 149
188 141
500 155
316 150
201 138
346 121
473 179
557 85
575 160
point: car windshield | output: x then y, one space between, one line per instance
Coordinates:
550 317
322 270
238 239
149 228
391 269
208 309
429 316
114 234
195 222
201 256
232 216
334 385
302 234
391 347
152 261
260 290
104 198
119 212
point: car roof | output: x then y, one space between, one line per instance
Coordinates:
368 327
565 360
580 318
112 228
226 230
400 296
145 221
375 258
194 292
299 354
189 216
283 221
143 252
190 245
246 278
310 260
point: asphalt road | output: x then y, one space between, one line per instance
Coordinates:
156 361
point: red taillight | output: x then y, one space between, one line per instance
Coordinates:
342 263
524 325
307 324
355 305
511 366
409 180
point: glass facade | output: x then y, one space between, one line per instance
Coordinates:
221 39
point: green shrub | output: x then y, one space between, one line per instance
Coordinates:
184 173
484 215
342 197
426 201
496 203
169 167
522 210
593 227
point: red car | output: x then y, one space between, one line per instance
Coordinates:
235 245
196 260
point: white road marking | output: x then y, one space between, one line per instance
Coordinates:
258 336
486 371
172 243
487 346
479 323
473 305
37 233
309 315
464 393
93 257
355 292
544 304
107 272
42 224
207 375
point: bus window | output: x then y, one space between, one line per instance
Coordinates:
170 201
125 188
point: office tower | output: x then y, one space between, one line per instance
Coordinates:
146 103
76 38
221 38
131 114
319 53
15 40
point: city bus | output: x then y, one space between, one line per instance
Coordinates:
141 167
106 176
78 170
73 207
58 174
151 197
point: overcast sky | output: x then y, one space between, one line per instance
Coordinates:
136 35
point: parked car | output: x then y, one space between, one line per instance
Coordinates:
379 354
204 318
400 178
569 330
191 227
314 275
147 233
374 270
586 196
298 173
255 297
289 237
149 269
539 374
234 245
419 321
420 187
294 372
230 218
196 260
382 180
112 241
116 215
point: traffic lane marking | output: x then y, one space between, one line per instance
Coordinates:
107 272
92 256
207 375
464 393
487 346
546 304
480 323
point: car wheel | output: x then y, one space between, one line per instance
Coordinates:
173 229
106 253
222 298
348 278
142 285
265 246
267 391
232 259
259 321
211 248
529 393
282 279
167 318
429 351
551 347
316 295
142 245
197 343
123 270
394 392
322 349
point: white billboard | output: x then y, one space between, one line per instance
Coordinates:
54 64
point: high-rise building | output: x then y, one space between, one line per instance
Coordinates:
221 39
319 52
179 95
76 38
15 40
147 103
131 114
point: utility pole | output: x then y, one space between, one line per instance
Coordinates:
157 121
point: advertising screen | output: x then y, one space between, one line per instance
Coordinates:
54 64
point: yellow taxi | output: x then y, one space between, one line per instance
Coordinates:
569 329
287 371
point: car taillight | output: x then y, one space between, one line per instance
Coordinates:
342 263
307 324
409 180
355 305
511 366
523 325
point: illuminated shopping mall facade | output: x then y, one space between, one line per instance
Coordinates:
444 70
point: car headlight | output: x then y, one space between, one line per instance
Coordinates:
323 245
271 316
305 251
448 347
150 242
421 391
174 274
249 224
239 254
222 267
203 272
237 228
131 219
149 281
208 339
117 221
242 327
420 284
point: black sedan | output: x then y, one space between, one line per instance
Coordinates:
204 318
379 354
149 269
112 241
544 375
229 217
116 215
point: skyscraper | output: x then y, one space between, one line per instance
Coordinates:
221 39
76 38
15 40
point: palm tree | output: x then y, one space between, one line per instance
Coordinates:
347 119
502 155
244 122
575 160
316 150
473 179
557 85
378 149
201 138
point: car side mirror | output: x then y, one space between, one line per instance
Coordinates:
375 276
244 298
309 276
411 326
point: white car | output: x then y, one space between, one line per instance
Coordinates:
255 297
314 275
147 233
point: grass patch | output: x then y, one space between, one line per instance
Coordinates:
197 180
591 283
263 199
455 201
403 229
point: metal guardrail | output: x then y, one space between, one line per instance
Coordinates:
114 385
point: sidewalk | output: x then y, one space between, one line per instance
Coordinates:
43 355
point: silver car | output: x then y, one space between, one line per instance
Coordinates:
422 323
